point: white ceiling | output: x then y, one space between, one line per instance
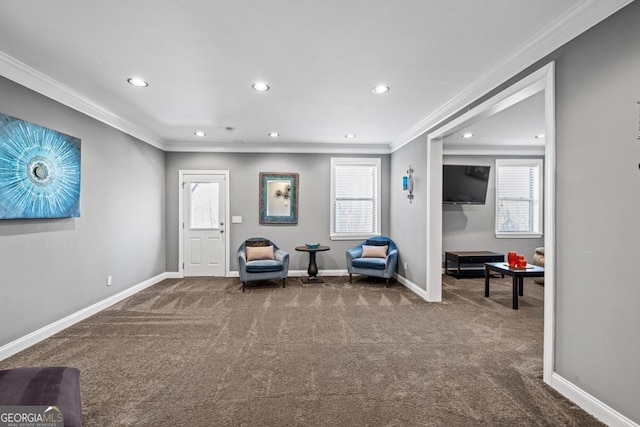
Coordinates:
321 59
515 127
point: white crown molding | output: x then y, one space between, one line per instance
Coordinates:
278 148
564 29
30 78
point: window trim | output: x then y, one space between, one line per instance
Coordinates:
361 161
539 163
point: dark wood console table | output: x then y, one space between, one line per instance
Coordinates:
468 259
313 268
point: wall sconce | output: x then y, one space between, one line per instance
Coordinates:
407 183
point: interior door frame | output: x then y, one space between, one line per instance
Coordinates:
226 216
541 80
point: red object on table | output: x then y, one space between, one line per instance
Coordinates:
522 262
512 259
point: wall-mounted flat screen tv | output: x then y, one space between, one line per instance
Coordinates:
465 184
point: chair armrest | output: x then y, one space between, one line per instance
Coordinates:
281 255
354 253
392 256
242 260
392 261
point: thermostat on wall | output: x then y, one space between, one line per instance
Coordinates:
236 219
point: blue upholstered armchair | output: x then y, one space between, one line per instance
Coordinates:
369 259
261 259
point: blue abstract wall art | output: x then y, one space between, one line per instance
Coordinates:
39 171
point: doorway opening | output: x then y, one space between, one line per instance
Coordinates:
539 81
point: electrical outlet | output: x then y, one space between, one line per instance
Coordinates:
109 280
406 265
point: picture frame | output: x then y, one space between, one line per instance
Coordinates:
278 198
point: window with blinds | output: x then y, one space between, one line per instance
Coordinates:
355 198
518 198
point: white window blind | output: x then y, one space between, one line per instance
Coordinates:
518 196
355 198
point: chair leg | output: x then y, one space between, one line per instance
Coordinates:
284 282
349 277
243 286
388 280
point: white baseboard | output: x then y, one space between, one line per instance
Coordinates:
411 286
45 332
303 273
335 273
593 406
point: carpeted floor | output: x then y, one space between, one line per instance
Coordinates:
199 352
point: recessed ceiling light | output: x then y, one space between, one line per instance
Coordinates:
260 86
199 133
349 136
467 135
380 89
540 136
138 82
274 134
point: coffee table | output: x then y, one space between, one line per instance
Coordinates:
518 275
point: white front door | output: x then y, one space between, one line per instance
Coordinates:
204 237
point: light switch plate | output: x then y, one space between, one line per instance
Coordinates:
236 219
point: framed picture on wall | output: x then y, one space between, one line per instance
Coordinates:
278 200
39 171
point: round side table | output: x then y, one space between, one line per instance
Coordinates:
313 267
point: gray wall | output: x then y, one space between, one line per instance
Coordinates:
408 220
598 232
52 268
472 227
313 209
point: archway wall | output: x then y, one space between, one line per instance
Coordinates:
597 123
407 218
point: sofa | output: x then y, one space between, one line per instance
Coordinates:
538 257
